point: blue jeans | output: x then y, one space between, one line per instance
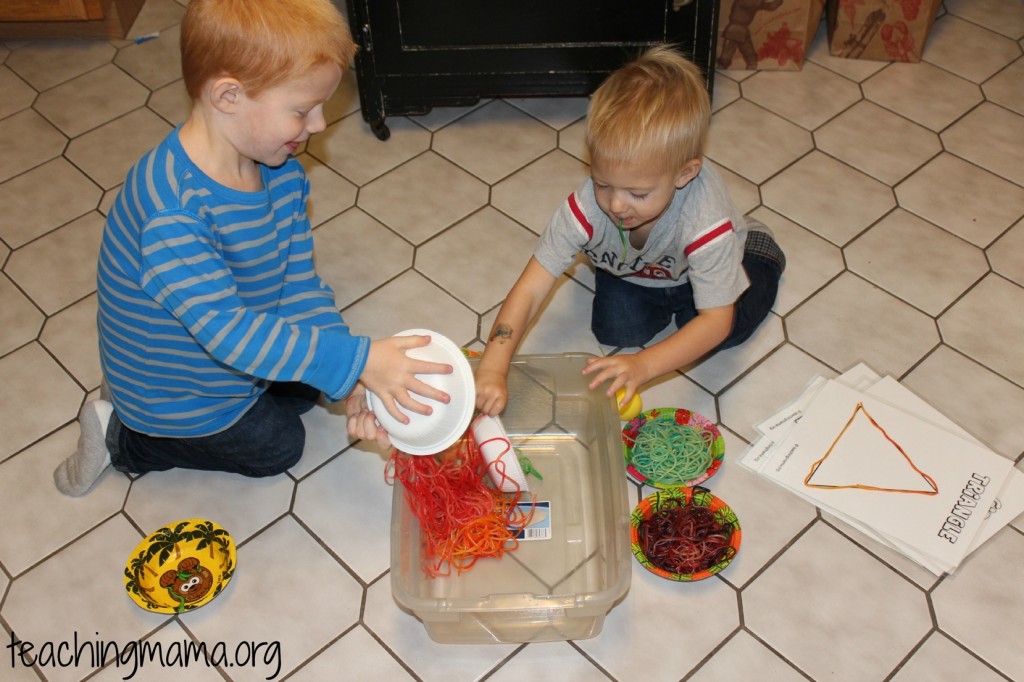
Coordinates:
629 315
266 441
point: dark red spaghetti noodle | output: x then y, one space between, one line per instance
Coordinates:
684 539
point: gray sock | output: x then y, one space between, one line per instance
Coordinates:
76 475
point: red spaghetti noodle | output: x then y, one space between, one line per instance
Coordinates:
461 517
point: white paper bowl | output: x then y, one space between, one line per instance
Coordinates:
430 434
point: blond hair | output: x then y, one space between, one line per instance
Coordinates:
262 43
655 109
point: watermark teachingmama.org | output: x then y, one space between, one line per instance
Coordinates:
132 656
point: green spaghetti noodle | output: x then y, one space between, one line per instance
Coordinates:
671 453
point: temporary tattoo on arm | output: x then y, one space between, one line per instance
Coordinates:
502 333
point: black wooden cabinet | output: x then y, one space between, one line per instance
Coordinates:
418 54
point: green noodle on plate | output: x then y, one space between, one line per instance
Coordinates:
672 447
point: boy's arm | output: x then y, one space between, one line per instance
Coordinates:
182 270
307 299
694 339
305 296
518 310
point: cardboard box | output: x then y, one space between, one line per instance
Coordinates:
885 30
766 34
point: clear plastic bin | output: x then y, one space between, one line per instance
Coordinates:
549 589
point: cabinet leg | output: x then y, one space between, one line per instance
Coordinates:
380 129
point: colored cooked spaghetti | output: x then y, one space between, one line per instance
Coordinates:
684 539
672 453
462 518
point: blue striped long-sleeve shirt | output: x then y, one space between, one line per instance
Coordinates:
207 294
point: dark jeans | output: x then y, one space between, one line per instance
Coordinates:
266 441
629 315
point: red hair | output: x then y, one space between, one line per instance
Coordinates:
261 43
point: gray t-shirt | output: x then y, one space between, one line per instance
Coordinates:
699 239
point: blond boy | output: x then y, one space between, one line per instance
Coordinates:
656 221
216 333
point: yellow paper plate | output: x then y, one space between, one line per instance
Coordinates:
180 567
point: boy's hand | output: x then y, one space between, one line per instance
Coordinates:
491 392
362 424
625 371
391 375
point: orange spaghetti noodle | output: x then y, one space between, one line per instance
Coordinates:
933 488
462 518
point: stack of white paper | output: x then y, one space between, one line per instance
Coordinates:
869 451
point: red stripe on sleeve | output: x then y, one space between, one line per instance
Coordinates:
709 236
574 205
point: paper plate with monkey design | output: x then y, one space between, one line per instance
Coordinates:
180 566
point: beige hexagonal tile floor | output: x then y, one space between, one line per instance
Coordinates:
896 190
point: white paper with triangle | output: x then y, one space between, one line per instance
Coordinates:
908 518
1008 505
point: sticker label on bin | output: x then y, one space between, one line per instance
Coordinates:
539 527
